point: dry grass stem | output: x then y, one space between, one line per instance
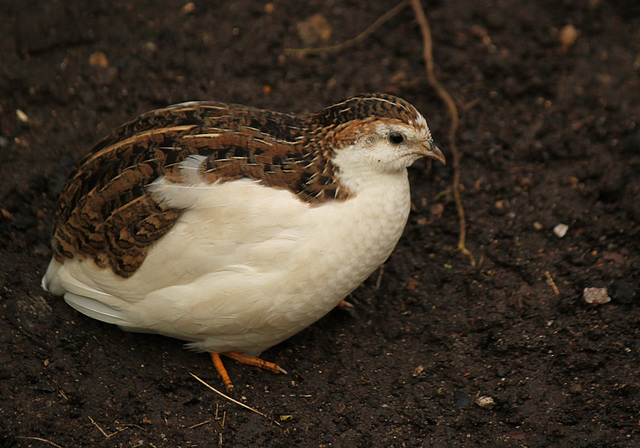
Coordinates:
233 400
200 424
104 433
39 439
99 428
455 121
552 283
351 42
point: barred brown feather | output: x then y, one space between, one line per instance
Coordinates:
106 212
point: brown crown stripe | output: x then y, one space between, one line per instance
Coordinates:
107 214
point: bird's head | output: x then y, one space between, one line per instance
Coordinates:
374 132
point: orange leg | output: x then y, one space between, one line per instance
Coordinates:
217 362
257 362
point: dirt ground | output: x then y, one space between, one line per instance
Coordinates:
549 135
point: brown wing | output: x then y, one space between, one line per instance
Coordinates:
107 214
105 211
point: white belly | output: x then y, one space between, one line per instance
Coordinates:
246 266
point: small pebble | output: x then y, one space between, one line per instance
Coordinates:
412 284
485 402
188 8
560 230
315 30
22 116
537 225
98 59
568 36
597 296
150 46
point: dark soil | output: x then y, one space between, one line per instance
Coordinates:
548 134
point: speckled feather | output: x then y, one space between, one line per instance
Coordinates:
106 212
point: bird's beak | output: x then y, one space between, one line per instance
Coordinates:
431 150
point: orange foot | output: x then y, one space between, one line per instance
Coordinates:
257 362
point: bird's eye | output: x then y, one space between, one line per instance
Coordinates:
396 138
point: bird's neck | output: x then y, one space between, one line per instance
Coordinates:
359 175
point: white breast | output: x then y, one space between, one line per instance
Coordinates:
246 266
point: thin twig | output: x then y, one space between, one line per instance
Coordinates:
39 439
232 400
351 42
455 121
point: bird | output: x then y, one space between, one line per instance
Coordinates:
232 227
